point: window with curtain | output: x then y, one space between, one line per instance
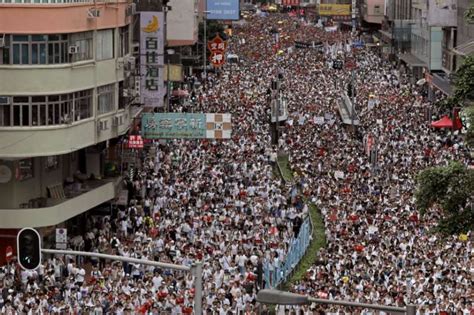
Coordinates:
105 44
105 98
83 41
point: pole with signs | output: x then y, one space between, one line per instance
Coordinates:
354 4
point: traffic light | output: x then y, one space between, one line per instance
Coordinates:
29 248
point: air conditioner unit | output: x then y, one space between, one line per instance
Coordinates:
131 9
119 64
118 121
130 64
73 49
102 125
137 86
4 100
93 13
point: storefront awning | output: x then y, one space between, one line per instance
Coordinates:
442 83
412 60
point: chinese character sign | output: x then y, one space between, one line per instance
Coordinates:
152 87
135 142
217 46
217 58
186 126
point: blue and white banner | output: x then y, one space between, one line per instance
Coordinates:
223 10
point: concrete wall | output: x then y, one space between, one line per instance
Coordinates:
182 22
15 192
60 18
371 13
64 78
17 142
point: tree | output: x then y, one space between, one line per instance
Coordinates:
451 188
470 130
213 28
469 14
464 83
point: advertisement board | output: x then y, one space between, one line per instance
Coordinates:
334 9
223 10
152 88
186 126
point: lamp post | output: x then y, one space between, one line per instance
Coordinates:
268 296
169 52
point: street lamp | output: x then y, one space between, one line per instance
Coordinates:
169 52
268 296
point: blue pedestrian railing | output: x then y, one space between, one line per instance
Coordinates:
276 274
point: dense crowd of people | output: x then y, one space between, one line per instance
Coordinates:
219 201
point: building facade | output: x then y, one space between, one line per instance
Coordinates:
62 106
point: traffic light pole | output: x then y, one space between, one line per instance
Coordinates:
195 269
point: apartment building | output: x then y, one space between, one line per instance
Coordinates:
65 104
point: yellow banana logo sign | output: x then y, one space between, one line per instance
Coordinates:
152 26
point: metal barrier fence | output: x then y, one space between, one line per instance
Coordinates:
274 275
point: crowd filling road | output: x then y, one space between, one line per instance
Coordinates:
220 201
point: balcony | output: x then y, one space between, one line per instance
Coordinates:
22 142
55 211
62 78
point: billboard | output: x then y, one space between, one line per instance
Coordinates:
223 9
334 9
186 126
152 88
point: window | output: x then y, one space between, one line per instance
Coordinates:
37 49
46 110
105 98
121 98
377 9
105 45
82 105
5 115
124 48
25 169
83 42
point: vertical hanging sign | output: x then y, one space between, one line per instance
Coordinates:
217 46
152 89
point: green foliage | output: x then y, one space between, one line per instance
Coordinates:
285 169
213 28
318 242
469 14
450 187
470 131
319 235
464 83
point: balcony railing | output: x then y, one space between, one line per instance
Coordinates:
52 211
